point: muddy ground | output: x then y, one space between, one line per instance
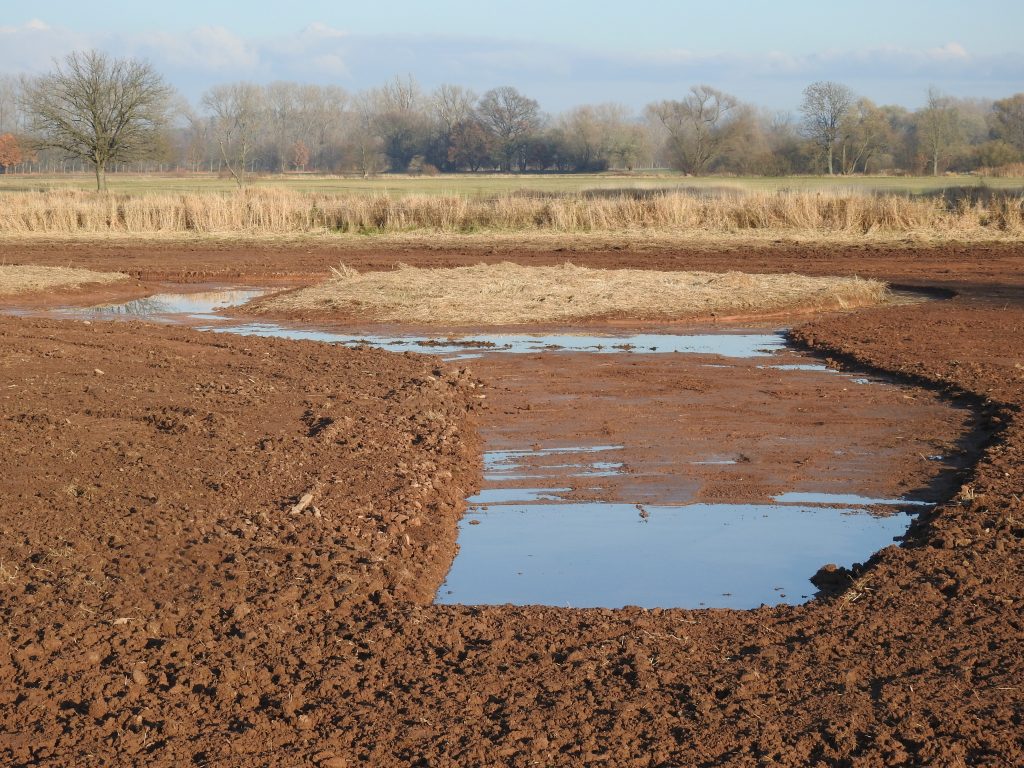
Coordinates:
163 605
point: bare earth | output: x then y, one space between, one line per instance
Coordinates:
162 604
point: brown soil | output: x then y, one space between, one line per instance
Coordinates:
786 430
162 605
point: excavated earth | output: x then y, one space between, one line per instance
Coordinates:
220 550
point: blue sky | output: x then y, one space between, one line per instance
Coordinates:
562 52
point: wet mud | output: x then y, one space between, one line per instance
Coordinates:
218 550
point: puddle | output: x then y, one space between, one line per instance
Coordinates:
532 546
840 499
202 305
490 496
606 555
208 305
475 345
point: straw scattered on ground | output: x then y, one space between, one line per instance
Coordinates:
25 278
509 294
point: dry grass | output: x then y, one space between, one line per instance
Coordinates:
24 279
1009 171
508 294
275 212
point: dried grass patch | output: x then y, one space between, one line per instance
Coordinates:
275 213
509 294
27 278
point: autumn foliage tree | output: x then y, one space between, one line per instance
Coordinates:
300 155
10 151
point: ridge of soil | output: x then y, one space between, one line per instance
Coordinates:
162 605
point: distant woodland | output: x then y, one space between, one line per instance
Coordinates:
242 128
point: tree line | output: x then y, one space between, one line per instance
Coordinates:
96 112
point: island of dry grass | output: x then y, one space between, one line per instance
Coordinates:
27 278
510 294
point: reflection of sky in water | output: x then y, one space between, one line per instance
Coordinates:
532 546
537 546
202 304
840 499
728 345
595 554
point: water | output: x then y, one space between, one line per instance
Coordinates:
536 546
209 305
596 554
469 346
533 546
202 305
840 499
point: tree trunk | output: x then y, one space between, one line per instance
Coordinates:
935 164
101 177
830 172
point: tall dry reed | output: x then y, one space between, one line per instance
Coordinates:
282 212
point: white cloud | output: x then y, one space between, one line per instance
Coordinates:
331 64
203 49
320 30
949 51
559 75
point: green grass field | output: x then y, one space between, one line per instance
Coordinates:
472 185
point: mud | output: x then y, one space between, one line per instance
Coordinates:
162 605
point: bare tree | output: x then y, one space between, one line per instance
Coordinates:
9 113
236 114
824 106
451 105
511 117
595 135
99 109
366 144
695 126
323 120
864 133
939 128
1008 120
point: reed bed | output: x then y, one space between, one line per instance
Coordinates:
27 278
259 212
510 294
1008 171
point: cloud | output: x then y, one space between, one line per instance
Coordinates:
204 49
31 47
558 75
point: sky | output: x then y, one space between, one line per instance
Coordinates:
560 52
